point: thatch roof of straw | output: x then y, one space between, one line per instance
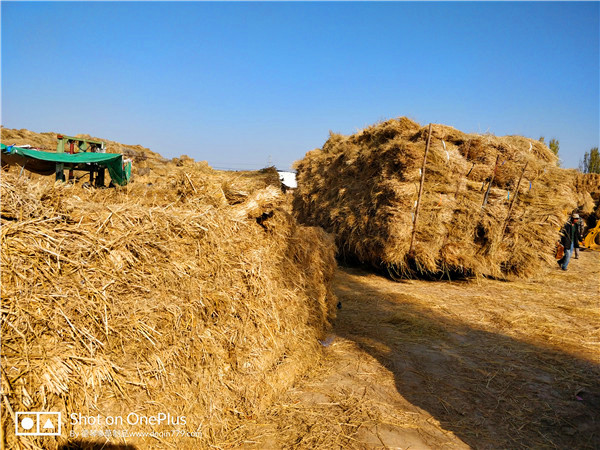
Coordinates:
157 297
363 188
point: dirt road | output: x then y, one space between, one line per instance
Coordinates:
477 363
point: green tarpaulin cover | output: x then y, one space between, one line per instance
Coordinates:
45 162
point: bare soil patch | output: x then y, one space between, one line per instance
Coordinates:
480 363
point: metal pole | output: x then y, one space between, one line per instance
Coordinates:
512 203
414 230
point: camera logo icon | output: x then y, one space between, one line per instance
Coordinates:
40 423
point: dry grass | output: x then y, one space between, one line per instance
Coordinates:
349 400
498 363
588 187
363 188
195 294
47 141
471 364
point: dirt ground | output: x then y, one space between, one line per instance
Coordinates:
453 364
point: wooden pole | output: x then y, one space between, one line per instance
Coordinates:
512 203
487 192
414 230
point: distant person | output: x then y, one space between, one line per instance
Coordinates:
569 239
580 225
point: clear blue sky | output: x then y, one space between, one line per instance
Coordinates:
237 83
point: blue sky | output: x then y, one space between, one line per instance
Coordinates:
244 84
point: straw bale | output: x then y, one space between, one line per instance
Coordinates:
587 182
363 188
157 297
587 186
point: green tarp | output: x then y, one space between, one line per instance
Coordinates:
44 163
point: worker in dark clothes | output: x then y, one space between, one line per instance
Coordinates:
569 239
580 225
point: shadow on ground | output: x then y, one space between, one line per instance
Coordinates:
490 390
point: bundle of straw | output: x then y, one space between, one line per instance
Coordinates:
587 186
364 189
157 298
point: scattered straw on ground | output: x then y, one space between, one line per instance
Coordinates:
470 364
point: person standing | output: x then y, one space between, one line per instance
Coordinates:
569 239
580 225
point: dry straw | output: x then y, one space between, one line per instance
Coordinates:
363 188
195 294
587 186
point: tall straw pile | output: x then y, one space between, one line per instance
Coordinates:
164 297
364 188
587 186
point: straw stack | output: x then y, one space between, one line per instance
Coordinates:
157 298
364 188
47 141
587 186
